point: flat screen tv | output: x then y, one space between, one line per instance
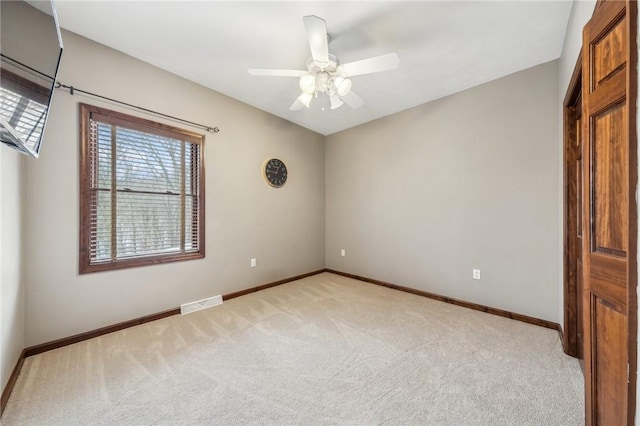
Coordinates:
30 54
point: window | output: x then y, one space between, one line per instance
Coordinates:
141 192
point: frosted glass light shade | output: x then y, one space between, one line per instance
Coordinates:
343 85
308 84
305 98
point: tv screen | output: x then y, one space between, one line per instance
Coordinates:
30 54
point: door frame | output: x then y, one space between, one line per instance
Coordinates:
632 296
571 316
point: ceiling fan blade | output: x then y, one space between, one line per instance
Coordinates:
269 72
296 106
318 42
370 65
336 102
353 100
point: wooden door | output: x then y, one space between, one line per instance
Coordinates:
609 243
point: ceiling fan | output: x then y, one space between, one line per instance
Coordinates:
324 72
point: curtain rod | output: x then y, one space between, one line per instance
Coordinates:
75 89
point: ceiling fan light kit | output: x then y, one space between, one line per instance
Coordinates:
305 99
342 85
325 74
336 102
308 84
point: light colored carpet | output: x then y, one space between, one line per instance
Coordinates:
322 350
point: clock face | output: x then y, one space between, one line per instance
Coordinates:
275 172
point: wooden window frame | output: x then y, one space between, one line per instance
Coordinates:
87 112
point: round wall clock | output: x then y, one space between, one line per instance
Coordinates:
275 172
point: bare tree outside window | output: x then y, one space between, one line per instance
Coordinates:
142 192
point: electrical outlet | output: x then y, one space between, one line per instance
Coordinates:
343 252
253 262
476 274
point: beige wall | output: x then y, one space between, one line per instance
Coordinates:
12 284
245 218
422 197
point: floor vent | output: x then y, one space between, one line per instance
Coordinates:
198 305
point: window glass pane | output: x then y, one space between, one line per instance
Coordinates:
147 162
190 224
147 224
103 134
188 167
102 226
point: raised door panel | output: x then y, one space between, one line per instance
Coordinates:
609 156
608 56
608 334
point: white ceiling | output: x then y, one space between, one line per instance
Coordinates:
444 46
